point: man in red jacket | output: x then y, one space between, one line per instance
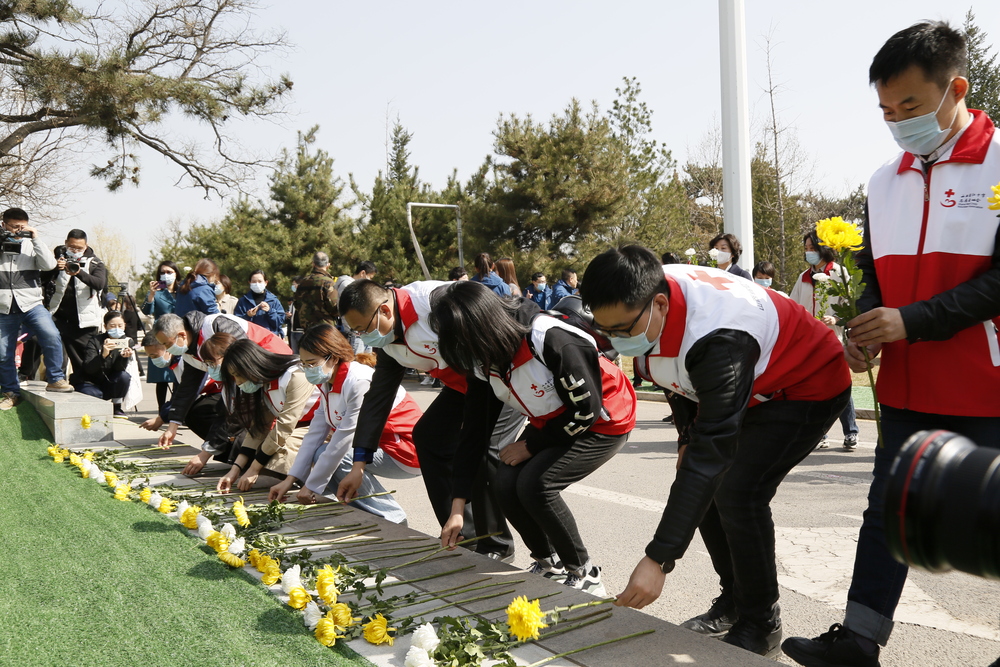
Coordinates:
931 304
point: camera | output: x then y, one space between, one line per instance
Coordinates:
942 505
11 241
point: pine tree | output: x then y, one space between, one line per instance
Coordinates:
984 71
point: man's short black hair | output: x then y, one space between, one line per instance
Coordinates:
536 276
933 46
629 274
15 214
670 258
767 268
567 274
78 234
457 273
362 296
367 267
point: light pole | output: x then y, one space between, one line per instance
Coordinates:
413 234
736 200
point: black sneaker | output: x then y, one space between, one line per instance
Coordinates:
850 442
760 638
498 555
717 620
588 580
550 568
119 412
834 648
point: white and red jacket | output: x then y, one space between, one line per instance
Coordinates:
529 387
419 348
800 357
337 411
274 397
930 233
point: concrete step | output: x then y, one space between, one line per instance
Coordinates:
63 414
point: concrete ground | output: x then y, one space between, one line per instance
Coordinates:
949 619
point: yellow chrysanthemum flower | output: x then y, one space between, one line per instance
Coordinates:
189 518
272 574
52 450
122 491
75 459
240 512
89 455
254 558
146 494
231 560
58 458
377 631
839 235
326 585
217 541
298 598
85 421
84 472
111 479
340 614
326 632
995 199
166 506
525 618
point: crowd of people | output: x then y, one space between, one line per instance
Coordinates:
310 399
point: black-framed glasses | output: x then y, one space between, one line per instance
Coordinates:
623 332
367 329
314 364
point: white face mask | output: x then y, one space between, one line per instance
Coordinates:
723 257
922 135
74 254
168 278
257 288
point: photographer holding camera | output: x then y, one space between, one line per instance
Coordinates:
76 307
108 364
22 259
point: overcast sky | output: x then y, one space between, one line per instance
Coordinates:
448 69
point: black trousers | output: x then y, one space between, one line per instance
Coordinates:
436 437
75 341
737 528
208 419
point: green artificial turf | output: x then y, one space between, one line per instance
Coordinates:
88 580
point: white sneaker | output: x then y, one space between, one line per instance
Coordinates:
550 568
427 381
588 580
823 444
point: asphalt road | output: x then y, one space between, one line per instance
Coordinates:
944 619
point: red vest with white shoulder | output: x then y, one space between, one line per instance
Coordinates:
419 348
396 440
274 396
801 358
529 386
930 233
257 334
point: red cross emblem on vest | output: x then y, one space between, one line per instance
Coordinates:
718 282
432 350
538 392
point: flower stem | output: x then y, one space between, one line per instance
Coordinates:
871 381
429 577
540 597
572 607
602 616
456 603
587 648
439 550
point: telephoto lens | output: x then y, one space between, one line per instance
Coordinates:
942 505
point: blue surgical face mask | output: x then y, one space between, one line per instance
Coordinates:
317 374
375 339
294 287
763 282
168 278
219 289
812 257
922 135
249 387
215 372
634 346
160 362
116 333
177 349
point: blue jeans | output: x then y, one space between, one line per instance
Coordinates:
878 578
847 419
39 322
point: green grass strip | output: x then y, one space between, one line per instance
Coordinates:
88 580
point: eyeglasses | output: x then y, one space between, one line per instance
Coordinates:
367 328
623 332
314 364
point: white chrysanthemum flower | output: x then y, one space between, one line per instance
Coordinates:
228 530
237 546
205 529
426 638
418 657
155 500
181 507
690 252
201 518
714 253
821 277
291 578
97 474
311 615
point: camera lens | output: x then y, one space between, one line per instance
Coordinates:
942 505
